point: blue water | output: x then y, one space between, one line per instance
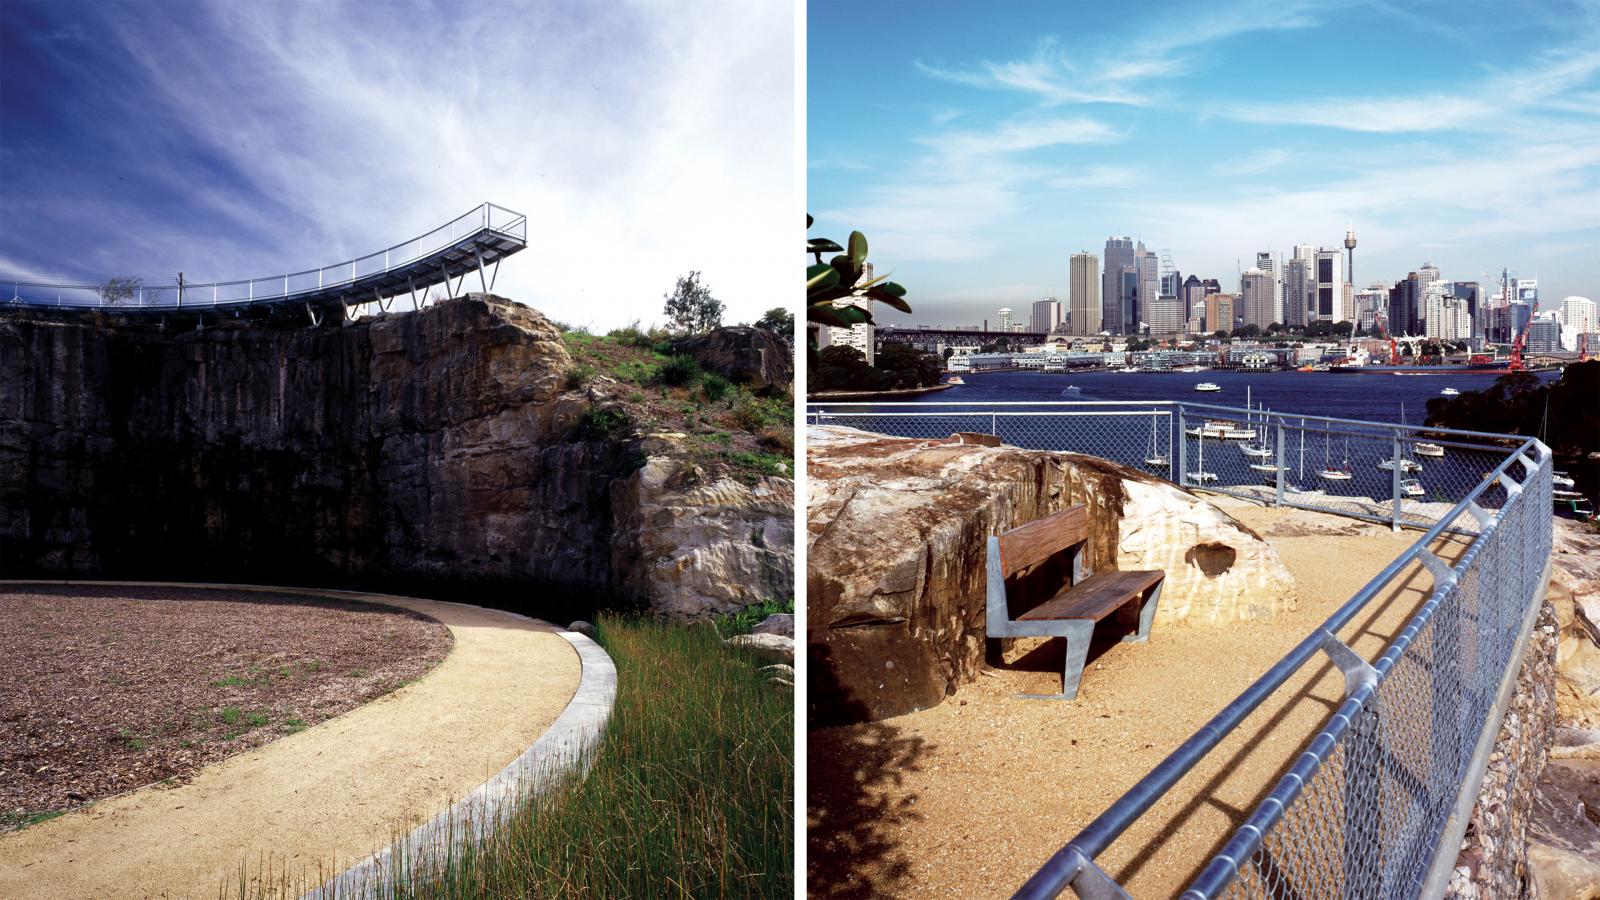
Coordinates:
1372 398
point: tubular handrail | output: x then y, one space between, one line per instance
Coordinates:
480 214
1066 863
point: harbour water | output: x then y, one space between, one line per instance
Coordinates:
1372 398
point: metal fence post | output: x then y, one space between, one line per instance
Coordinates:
1280 462
1394 483
1183 449
994 425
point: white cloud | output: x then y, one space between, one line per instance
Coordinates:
1097 177
639 142
1254 163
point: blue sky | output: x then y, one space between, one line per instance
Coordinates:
241 139
979 145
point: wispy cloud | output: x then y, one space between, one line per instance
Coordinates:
1021 135
1254 163
1097 177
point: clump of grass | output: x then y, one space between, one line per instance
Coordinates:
761 463
755 413
599 423
21 818
714 386
131 740
690 788
579 376
678 371
741 622
231 681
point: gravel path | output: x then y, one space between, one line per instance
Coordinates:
313 802
968 798
108 689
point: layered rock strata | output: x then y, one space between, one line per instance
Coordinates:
434 446
898 529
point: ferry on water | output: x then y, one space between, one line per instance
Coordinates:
1207 387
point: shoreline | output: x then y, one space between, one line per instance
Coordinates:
841 396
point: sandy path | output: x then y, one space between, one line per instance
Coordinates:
968 798
333 792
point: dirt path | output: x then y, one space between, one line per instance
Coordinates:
968 798
322 798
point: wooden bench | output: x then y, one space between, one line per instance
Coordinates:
1046 557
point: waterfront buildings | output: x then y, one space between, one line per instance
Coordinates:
1257 292
1046 315
1085 295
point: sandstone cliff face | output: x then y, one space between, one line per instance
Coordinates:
898 530
432 446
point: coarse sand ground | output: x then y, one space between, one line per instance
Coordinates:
968 798
325 797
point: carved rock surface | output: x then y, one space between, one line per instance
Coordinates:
432 446
898 530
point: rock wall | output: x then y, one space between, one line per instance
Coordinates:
415 448
898 529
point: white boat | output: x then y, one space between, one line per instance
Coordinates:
1255 450
1406 465
1071 390
1269 468
954 379
1155 460
1207 387
1427 449
1562 496
1412 488
1127 370
1562 480
1331 472
1450 392
1202 476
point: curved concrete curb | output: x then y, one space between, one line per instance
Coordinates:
562 748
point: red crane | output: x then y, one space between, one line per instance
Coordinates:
1516 345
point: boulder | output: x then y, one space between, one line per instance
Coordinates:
897 531
777 623
754 357
584 628
769 648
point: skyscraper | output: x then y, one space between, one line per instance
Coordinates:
1147 290
1405 306
1005 318
1268 262
1330 294
1193 294
1471 293
1219 312
1578 317
1114 306
1046 315
1296 291
1256 297
1085 297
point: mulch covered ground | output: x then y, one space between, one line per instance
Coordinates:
107 689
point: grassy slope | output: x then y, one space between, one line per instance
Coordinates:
730 430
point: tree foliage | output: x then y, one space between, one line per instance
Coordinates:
840 278
690 308
1517 404
117 291
898 367
779 321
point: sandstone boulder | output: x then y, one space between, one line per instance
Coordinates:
754 357
777 623
897 530
770 648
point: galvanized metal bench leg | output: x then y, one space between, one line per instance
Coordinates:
1147 615
1078 635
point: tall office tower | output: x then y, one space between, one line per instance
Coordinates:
1544 336
1046 315
1428 274
1085 298
1166 316
1148 287
1329 297
1255 292
1193 293
1405 306
1005 319
862 337
1444 316
1268 262
1471 293
1296 292
1527 291
1219 312
1578 315
1114 311
1212 286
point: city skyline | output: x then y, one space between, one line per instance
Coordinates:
979 157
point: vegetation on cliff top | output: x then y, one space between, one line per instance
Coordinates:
1563 413
639 382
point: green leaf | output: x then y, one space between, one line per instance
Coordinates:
879 295
809 220
848 274
858 249
822 245
820 276
892 289
826 314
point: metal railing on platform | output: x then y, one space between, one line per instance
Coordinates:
1375 802
419 263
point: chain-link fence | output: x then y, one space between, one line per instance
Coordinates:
1364 810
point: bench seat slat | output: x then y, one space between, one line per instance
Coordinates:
1095 597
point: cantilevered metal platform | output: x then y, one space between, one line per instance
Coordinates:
474 242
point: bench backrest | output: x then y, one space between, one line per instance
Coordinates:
1023 549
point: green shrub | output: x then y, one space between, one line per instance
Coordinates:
678 371
630 335
762 463
730 624
715 386
600 423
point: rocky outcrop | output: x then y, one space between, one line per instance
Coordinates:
754 357
433 447
897 531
